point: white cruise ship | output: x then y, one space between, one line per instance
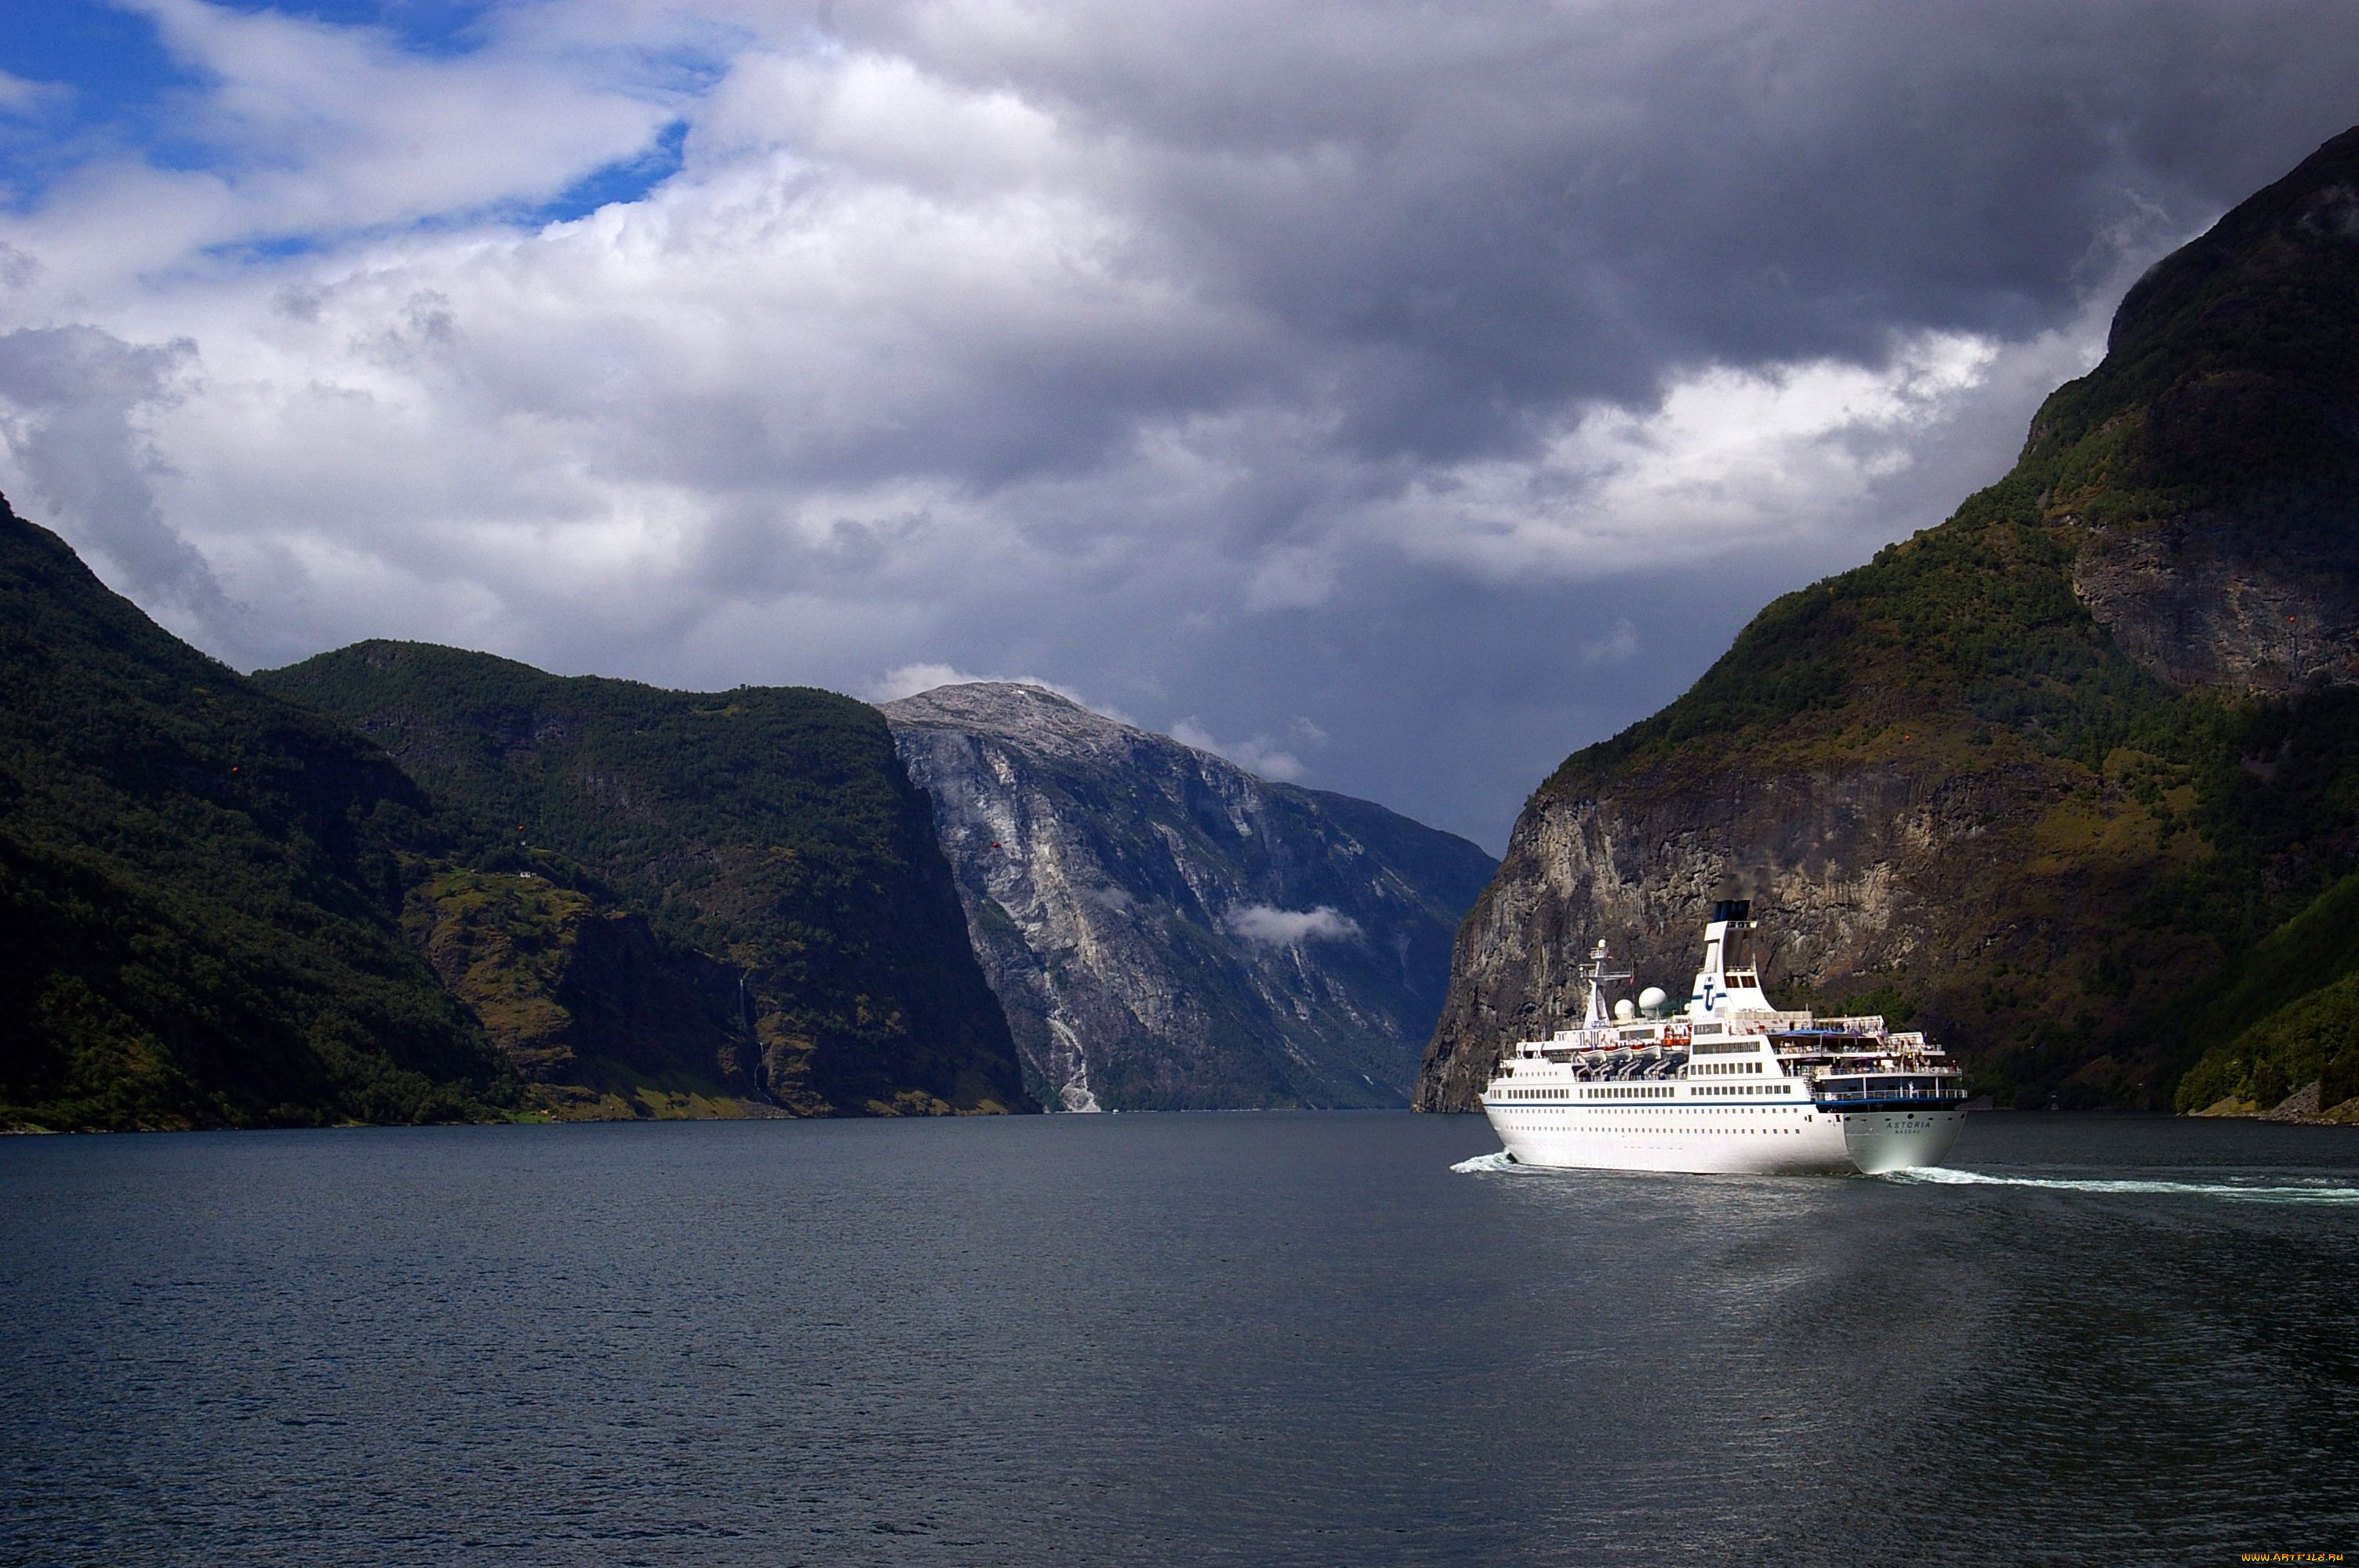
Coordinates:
1728 1083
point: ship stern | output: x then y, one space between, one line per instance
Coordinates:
1882 1140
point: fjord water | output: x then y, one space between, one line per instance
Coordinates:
1248 1340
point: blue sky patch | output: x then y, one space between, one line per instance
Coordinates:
626 181
122 87
119 94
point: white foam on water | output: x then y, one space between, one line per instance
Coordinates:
1501 1161
2318 1192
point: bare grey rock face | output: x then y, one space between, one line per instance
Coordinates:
2302 1105
2199 602
1856 874
1167 930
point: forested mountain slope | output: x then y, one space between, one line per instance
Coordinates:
771 838
199 888
2047 778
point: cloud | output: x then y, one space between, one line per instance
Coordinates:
72 407
1258 754
300 134
1230 361
23 98
1617 646
16 269
908 680
1726 456
1271 927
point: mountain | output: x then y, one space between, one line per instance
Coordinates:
2056 779
200 887
1168 932
759 854
603 1017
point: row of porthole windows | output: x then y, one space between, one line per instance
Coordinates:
1612 1091
1692 1126
1631 1091
1738 1109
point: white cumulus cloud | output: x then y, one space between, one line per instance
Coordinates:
1271 927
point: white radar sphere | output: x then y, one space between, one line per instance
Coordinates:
1652 998
1624 1010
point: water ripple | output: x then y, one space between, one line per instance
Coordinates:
2257 1190
1058 1342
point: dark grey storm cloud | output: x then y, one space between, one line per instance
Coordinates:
1394 394
1483 209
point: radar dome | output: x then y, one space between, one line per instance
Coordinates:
1624 1010
1651 1000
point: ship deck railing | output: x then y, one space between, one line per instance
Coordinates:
1932 1091
1881 1051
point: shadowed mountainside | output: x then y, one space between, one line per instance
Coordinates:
600 1016
199 888
769 836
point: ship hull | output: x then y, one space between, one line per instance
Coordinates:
1881 1141
1798 1140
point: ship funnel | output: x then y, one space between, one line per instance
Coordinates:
1729 979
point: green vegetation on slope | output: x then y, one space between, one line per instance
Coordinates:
1967 638
770 829
598 1015
2178 819
199 885
2313 1040
2306 1032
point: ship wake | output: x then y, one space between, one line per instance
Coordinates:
2321 1192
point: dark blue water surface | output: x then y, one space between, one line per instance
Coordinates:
1244 1339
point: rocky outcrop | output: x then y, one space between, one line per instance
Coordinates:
1167 930
2193 601
2218 499
2302 1105
1869 881
2039 778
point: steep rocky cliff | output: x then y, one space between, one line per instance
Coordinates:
1168 931
2042 778
785 867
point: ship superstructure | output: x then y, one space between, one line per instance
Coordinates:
1729 1083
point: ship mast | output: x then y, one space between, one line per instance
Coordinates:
1597 975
